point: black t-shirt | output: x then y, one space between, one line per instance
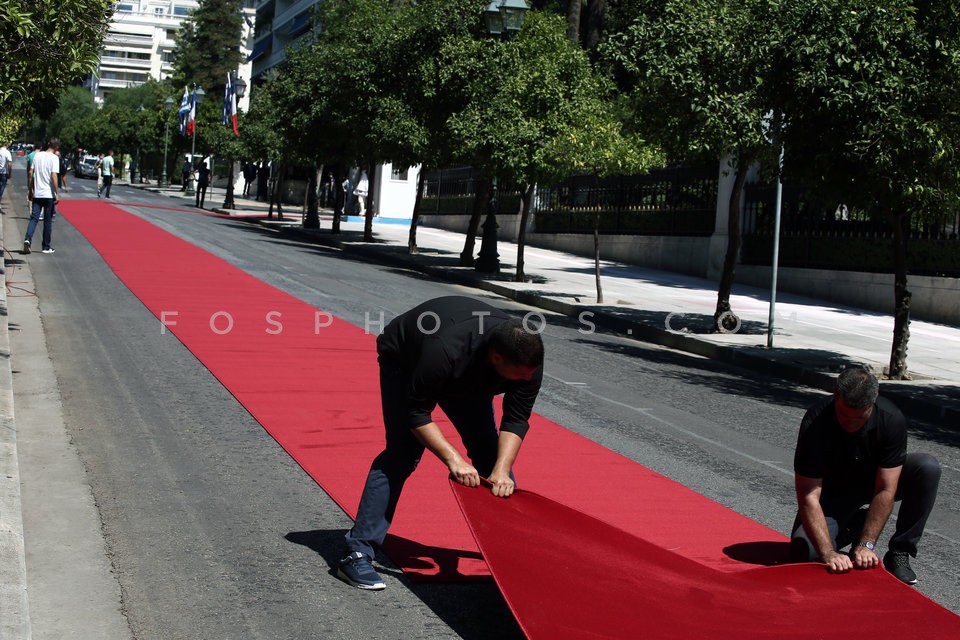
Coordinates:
847 463
442 344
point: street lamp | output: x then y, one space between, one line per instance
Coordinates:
228 203
135 169
199 94
168 105
502 18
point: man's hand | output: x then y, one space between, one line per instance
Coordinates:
838 562
502 484
863 558
464 472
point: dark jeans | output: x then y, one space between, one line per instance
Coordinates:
474 421
3 182
201 194
916 492
107 182
44 206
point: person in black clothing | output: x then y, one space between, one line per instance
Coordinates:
249 175
263 178
851 464
203 181
186 170
456 353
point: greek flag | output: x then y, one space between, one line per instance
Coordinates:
184 111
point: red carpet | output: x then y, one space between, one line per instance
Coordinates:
587 579
311 381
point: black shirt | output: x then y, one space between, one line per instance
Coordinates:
846 462
442 344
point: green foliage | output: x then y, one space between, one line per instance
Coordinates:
208 45
45 45
534 110
76 105
872 89
698 73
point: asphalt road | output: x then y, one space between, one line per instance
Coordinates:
210 530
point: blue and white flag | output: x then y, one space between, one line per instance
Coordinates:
230 104
184 111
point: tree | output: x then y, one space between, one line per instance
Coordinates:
45 45
699 74
536 111
871 89
208 45
76 105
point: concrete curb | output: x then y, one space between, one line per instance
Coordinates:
15 618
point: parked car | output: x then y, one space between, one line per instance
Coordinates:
88 167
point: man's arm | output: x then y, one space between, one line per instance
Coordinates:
30 183
508 446
878 513
432 438
55 186
815 524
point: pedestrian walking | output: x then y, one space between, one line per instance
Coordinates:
107 166
43 191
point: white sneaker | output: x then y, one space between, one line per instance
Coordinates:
50 250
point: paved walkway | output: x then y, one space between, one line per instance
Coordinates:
813 340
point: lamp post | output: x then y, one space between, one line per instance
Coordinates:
135 169
502 18
167 105
241 88
199 93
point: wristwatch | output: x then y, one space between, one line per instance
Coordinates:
866 543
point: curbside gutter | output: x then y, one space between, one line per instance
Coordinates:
14 610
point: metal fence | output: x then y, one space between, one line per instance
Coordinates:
818 235
678 201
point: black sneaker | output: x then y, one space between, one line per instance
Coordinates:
356 570
26 246
898 563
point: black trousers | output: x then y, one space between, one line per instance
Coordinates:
474 420
916 492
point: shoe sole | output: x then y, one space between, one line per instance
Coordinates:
359 585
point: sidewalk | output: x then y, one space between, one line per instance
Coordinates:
813 340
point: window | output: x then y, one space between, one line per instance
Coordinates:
125 7
179 10
398 174
159 11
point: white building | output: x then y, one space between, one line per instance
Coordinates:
140 45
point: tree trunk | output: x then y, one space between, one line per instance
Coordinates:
312 221
573 19
339 197
723 317
371 204
525 199
596 18
415 220
901 298
596 256
479 204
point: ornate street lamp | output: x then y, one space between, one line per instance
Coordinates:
168 106
502 18
228 203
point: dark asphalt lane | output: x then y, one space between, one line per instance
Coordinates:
214 532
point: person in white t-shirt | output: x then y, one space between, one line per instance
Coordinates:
6 167
44 191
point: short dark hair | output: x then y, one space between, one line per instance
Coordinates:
53 143
858 387
516 344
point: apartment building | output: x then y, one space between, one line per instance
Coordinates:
140 44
